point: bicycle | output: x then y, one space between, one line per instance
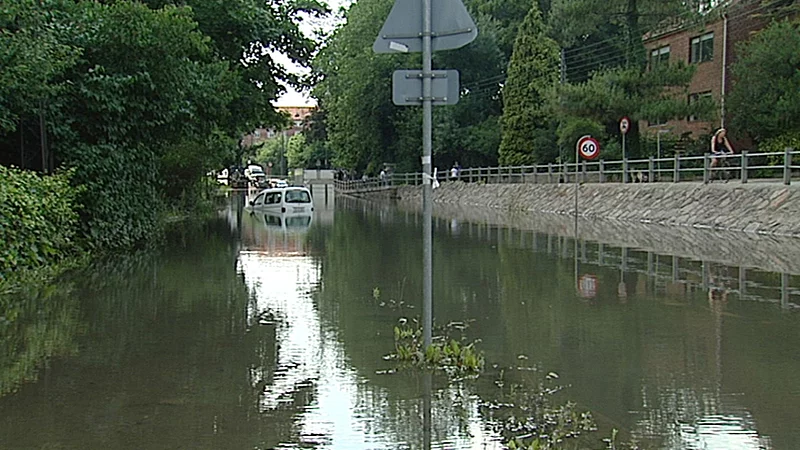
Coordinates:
724 166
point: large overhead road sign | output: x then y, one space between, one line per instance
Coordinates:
451 27
407 87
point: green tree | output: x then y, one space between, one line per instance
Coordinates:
365 130
245 33
297 152
609 95
33 60
507 16
599 34
765 99
528 133
605 75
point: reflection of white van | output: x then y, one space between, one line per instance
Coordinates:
289 200
287 222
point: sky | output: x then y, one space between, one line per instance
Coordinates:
292 97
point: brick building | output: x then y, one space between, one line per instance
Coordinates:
297 116
711 46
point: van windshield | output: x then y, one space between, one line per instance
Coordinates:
297 196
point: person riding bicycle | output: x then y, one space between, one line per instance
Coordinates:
720 145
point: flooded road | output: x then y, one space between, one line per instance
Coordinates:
253 331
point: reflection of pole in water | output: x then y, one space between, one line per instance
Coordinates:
717 297
742 282
622 289
675 268
577 287
426 411
785 290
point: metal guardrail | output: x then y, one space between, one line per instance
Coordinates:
744 167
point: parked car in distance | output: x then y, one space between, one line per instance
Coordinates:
278 183
255 175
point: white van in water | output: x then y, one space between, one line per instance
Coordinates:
288 200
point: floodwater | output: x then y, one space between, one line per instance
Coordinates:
251 331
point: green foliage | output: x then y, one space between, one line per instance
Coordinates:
452 356
298 154
507 16
765 99
38 219
365 129
531 417
271 151
790 139
528 131
121 205
33 59
141 102
244 33
602 34
610 95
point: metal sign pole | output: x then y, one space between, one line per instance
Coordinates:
624 161
427 188
401 33
577 158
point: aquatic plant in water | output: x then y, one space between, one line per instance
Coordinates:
529 417
453 356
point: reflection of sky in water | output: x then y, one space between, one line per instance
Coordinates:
344 412
696 425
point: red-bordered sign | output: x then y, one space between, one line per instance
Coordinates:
587 286
624 125
588 147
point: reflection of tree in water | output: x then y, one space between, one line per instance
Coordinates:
37 325
166 361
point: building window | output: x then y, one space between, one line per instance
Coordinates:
702 48
698 97
659 56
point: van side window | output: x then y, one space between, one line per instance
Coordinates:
273 198
259 200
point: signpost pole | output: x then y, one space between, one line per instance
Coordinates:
453 28
427 188
624 125
577 158
624 161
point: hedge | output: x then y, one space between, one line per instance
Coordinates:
38 219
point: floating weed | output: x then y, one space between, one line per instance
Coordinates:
529 417
447 354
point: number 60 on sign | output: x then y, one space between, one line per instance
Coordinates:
588 147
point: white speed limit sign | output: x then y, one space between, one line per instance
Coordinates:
624 125
588 147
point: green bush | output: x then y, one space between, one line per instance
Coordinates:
121 205
38 219
780 143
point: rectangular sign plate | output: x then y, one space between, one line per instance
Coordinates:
407 87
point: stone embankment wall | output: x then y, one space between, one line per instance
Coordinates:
758 208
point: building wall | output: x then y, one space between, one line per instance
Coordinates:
742 23
297 116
